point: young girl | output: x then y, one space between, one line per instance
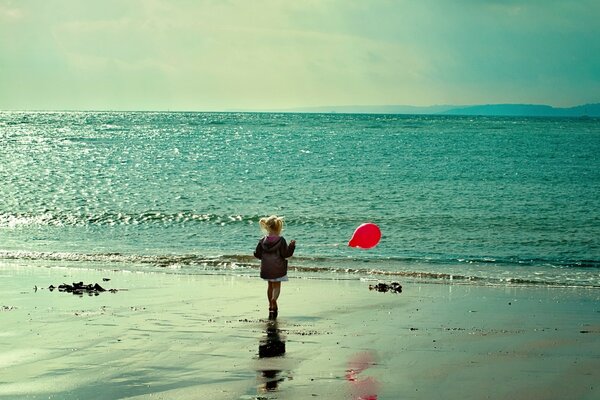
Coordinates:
272 250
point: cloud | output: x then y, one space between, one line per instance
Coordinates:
277 54
9 12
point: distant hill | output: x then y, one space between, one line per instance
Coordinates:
527 110
515 110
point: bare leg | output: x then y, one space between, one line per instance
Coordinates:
275 295
270 294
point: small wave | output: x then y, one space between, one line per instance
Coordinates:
156 260
303 266
500 261
568 263
215 123
53 218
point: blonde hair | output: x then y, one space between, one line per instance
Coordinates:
272 224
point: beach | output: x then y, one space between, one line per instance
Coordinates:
151 153
165 336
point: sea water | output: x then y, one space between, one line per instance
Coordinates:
481 200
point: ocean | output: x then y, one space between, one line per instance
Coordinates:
461 200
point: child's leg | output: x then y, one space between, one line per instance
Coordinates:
275 295
270 294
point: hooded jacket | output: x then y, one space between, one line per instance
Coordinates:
272 253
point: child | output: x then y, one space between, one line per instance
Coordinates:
272 250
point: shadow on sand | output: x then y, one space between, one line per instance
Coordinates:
271 346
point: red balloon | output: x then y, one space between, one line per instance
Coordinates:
365 236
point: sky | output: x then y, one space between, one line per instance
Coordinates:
212 55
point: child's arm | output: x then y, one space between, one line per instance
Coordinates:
288 250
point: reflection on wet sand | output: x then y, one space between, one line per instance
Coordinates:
362 388
271 345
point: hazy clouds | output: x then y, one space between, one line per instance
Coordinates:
211 55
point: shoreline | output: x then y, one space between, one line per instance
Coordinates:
184 336
451 274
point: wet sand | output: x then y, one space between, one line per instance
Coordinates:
172 336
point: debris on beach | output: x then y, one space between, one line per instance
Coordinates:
393 287
79 288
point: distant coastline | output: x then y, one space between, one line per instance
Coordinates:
509 110
591 110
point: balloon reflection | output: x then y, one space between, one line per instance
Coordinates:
362 388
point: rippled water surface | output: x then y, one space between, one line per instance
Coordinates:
496 199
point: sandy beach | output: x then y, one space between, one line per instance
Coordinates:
170 336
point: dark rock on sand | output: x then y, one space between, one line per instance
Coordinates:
393 287
79 289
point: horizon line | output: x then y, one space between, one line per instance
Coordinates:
314 109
